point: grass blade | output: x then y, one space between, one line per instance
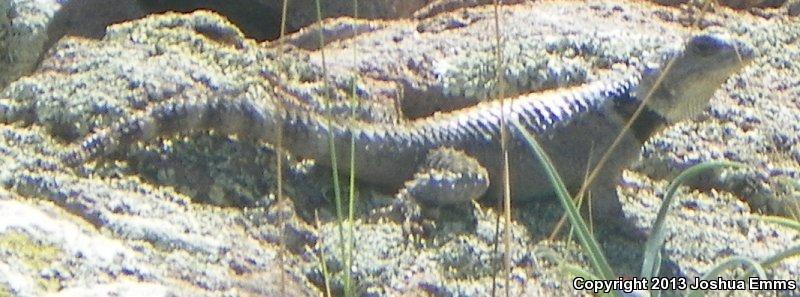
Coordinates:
326 276
726 264
786 222
503 148
279 161
654 243
343 239
352 183
592 247
786 254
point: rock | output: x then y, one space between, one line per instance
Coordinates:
89 18
745 4
456 264
699 217
752 120
76 235
261 20
735 4
794 7
28 28
23 35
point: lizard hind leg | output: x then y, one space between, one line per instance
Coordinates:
448 179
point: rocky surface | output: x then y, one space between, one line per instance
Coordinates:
140 221
388 264
752 120
23 35
437 58
86 235
28 28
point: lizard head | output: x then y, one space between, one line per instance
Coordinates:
693 75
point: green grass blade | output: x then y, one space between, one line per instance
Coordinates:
343 239
326 276
786 254
726 264
353 102
649 265
552 255
352 189
569 268
786 222
599 261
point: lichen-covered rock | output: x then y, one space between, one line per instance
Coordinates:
735 4
446 62
753 120
74 235
89 84
793 7
29 28
58 98
459 264
704 228
23 35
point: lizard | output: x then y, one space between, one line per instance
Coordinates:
453 157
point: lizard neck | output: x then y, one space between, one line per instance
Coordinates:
647 123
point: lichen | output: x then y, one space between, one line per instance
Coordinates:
23 34
175 56
551 63
776 195
210 169
37 256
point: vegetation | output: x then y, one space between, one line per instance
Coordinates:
37 256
